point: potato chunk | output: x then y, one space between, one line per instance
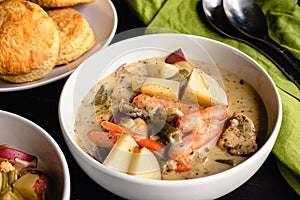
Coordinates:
161 87
203 89
120 155
144 164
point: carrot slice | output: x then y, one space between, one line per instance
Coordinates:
141 140
150 144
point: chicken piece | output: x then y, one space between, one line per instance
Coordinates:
239 138
6 166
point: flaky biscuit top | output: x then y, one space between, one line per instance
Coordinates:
28 37
76 36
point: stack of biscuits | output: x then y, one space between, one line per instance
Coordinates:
37 35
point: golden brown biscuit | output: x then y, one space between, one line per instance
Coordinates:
33 75
60 3
29 40
76 36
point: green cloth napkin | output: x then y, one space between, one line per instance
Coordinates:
284 27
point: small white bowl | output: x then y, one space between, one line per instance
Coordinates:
130 187
26 136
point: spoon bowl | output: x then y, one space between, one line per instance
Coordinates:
247 17
216 16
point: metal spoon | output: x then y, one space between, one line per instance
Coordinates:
215 15
249 19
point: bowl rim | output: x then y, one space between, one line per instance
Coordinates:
270 141
66 178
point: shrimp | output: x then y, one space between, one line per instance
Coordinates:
187 123
172 107
200 129
103 139
108 139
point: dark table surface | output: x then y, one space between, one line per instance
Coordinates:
40 105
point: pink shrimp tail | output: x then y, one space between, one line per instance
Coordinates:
189 122
143 101
103 139
193 143
201 128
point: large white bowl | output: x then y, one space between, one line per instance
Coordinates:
28 137
106 61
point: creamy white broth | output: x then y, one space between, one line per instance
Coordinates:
241 98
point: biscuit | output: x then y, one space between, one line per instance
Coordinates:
60 3
33 75
29 41
76 36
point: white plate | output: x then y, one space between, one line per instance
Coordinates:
102 17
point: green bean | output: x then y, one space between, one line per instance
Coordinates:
4 181
12 176
170 134
132 110
8 194
102 96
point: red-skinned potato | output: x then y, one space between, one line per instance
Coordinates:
33 185
176 56
17 157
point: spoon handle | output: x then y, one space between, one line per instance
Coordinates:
285 53
284 59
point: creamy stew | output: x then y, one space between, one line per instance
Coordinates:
241 98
